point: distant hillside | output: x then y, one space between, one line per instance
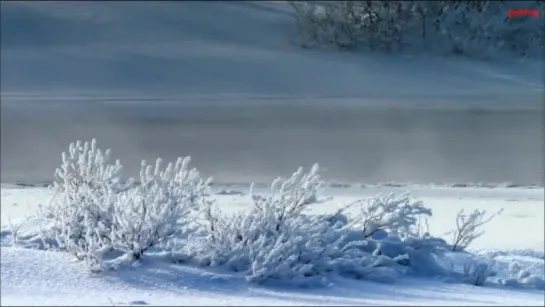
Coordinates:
219 50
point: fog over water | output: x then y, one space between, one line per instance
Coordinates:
243 143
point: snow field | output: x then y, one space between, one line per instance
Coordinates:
34 277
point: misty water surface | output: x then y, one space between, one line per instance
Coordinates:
243 143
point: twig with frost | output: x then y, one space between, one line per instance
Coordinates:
290 196
398 214
15 228
467 228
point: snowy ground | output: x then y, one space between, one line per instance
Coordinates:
31 277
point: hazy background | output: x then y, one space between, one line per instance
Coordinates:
223 82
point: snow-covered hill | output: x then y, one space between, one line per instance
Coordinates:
225 52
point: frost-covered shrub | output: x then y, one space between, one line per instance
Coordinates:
95 217
276 241
158 209
393 225
482 28
467 228
83 188
293 254
290 196
226 236
305 259
397 214
350 24
85 165
305 252
471 28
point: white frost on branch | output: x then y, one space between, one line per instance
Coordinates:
467 228
290 196
473 28
398 214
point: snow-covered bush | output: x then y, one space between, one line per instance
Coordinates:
83 188
93 215
228 237
351 24
467 228
158 209
304 252
85 164
397 214
393 224
311 249
275 240
483 28
290 196
471 28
